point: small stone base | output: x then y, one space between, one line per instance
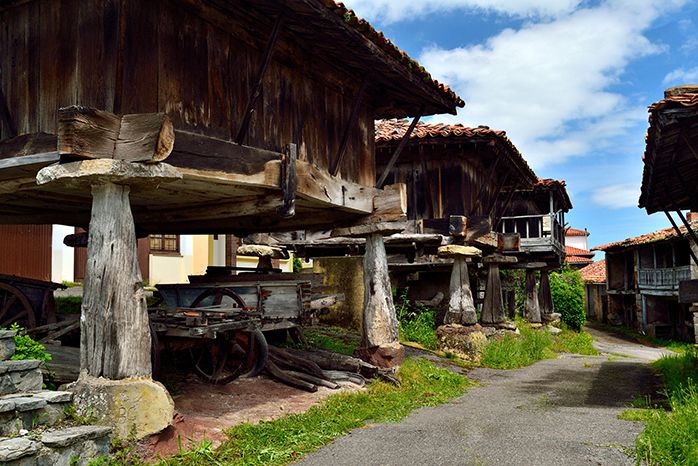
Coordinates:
551 318
465 341
385 356
130 406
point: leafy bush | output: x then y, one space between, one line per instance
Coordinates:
68 304
297 265
415 324
567 289
27 347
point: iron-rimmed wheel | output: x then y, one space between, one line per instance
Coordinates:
15 307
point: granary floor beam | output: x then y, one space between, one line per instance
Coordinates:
532 306
545 296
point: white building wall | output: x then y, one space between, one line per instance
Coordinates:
62 256
579 242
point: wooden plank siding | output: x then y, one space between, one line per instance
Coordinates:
130 56
25 250
80 259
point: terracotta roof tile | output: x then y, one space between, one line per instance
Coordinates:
393 130
377 37
578 260
594 273
659 235
572 251
560 185
575 232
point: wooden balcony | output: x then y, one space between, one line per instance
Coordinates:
666 279
539 233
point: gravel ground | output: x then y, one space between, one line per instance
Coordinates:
555 412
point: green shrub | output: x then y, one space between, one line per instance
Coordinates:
68 304
297 265
27 347
567 289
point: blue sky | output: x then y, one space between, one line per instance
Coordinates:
568 80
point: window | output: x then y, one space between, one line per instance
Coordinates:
164 244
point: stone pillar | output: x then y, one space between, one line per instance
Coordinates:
381 344
115 382
545 296
532 307
461 307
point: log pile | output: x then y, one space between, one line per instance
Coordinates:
310 369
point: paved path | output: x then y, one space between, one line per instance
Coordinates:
556 412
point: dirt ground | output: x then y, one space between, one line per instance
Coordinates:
206 411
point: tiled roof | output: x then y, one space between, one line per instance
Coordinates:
572 251
674 101
377 37
549 183
594 273
575 232
393 130
560 185
578 260
660 235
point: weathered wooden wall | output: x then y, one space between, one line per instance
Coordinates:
132 56
25 250
443 180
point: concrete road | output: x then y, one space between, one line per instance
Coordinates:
555 412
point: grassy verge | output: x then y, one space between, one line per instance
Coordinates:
338 340
513 351
671 437
287 439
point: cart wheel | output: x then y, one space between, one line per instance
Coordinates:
15 307
223 360
210 359
216 296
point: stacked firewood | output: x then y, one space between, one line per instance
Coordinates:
310 369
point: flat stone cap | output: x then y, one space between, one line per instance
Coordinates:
456 250
15 448
71 435
85 173
259 250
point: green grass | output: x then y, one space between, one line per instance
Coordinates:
514 351
287 439
421 329
671 437
333 339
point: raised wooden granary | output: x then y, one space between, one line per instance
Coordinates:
127 117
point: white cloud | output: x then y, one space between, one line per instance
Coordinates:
549 84
389 11
682 76
617 196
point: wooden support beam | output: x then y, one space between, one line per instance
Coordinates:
689 229
89 133
257 89
678 232
289 182
497 192
380 326
485 182
532 306
503 209
398 150
358 99
693 151
493 311
6 116
545 296
115 331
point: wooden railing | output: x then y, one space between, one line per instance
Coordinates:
536 230
663 279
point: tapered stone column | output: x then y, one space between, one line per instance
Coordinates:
493 311
532 307
545 296
461 307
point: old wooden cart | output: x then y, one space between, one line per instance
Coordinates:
219 319
27 301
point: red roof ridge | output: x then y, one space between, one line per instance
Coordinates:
578 251
575 232
659 235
